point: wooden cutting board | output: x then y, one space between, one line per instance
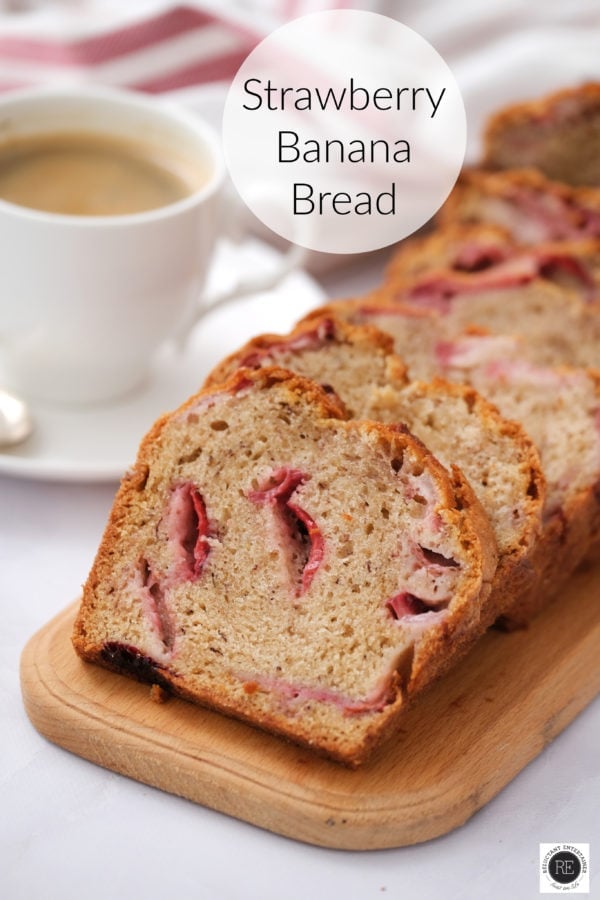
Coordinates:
465 739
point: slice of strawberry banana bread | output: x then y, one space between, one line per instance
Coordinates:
560 409
489 255
531 207
462 247
558 134
460 428
556 325
270 559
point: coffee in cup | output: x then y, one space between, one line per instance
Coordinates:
94 174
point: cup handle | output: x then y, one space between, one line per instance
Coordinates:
233 213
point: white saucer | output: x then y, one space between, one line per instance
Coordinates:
99 443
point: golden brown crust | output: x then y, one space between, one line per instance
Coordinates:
444 647
329 405
380 299
340 309
341 332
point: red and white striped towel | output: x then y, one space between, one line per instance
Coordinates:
171 49
146 45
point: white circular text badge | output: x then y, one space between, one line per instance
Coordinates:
344 131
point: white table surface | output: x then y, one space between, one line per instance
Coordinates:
69 829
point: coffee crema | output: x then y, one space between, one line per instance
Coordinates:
93 174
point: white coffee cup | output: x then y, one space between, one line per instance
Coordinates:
87 301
